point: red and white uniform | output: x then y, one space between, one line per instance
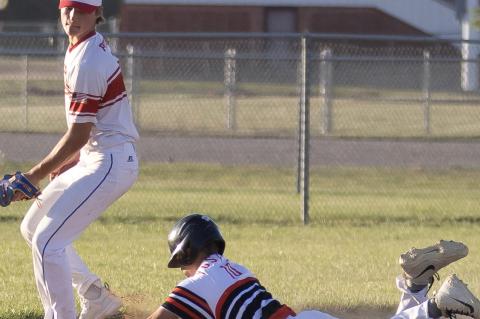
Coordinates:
95 92
108 167
222 289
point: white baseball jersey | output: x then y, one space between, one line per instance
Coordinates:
95 92
223 289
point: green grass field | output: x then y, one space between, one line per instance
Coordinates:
343 262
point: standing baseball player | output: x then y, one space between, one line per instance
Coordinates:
101 137
218 288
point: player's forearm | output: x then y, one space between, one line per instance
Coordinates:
62 152
68 146
68 163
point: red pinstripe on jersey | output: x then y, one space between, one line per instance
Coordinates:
180 306
190 303
283 313
193 298
227 293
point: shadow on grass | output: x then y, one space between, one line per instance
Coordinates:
357 312
8 219
21 315
336 220
361 311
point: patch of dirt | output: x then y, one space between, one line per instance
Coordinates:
134 307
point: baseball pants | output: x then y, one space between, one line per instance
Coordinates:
412 305
71 202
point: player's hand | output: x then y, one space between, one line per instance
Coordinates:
23 196
20 195
17 187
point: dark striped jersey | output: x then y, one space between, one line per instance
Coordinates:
222 289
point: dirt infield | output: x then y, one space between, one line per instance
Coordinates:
20 147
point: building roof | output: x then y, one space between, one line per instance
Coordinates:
360 3
290 3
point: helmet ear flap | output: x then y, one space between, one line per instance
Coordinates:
179 254
183 255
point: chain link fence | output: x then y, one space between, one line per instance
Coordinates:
249 100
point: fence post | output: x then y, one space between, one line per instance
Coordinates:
113 27
230 80
303 177
61 42
25 92
426 91
130 83
326 89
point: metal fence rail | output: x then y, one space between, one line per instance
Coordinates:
296 87
386 71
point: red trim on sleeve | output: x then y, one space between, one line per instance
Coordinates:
227 293
86 106
283 313
182 307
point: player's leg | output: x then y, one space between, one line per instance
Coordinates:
453 298
40 208
95 297
420 265
410 297
80 204
82 278
30 222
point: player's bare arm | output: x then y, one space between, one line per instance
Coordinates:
65 166
67 148
162 313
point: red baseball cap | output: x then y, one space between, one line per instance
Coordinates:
87 6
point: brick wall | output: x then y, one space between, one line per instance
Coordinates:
165 18
352 20
151 18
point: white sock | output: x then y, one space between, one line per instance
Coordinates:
94 291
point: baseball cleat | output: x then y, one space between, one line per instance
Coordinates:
454 298
420 265
104 306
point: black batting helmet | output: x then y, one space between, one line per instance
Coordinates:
191 235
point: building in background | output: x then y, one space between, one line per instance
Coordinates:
436 18
389 17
